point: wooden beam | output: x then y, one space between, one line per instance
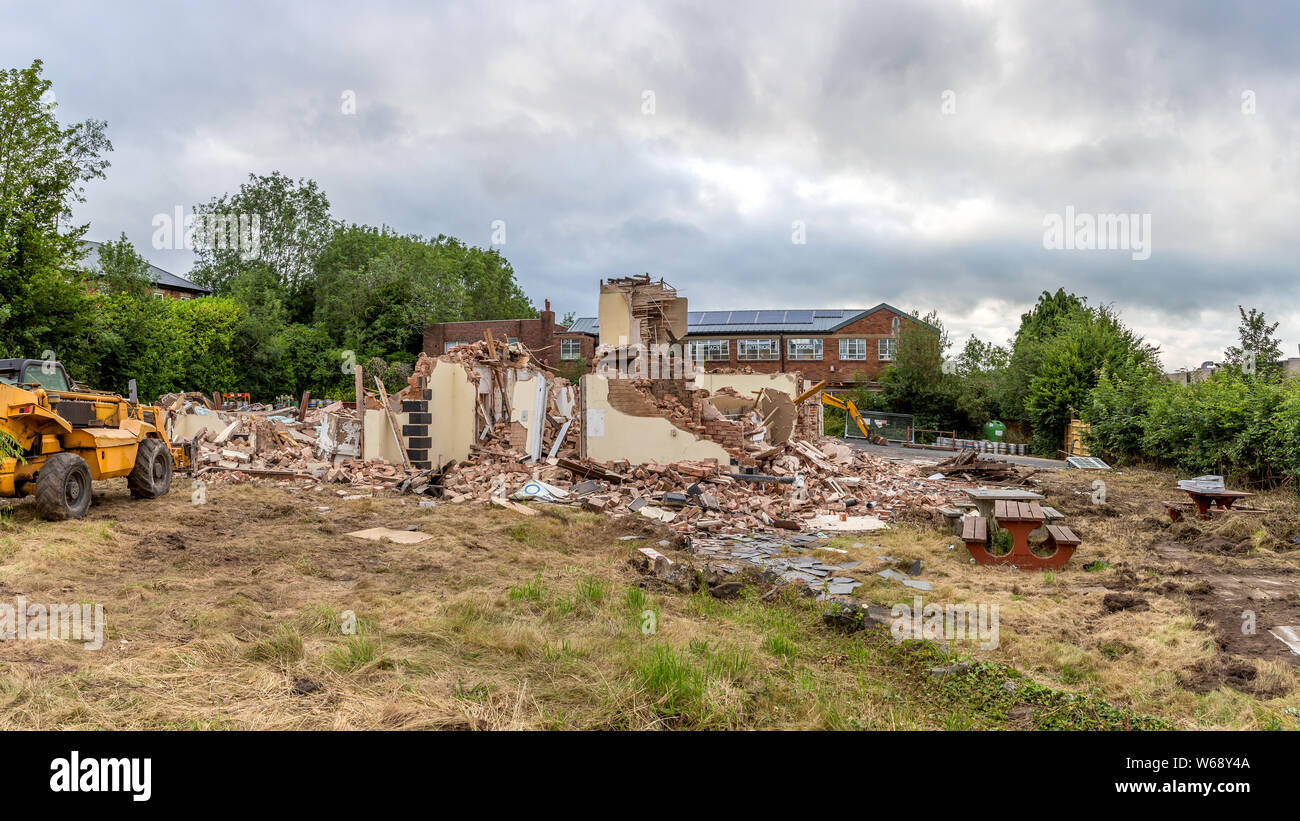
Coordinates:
392 423
361 415
302 407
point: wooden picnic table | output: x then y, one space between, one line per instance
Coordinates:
1221 499
1019 518
986 497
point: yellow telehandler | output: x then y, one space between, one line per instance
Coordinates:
56 437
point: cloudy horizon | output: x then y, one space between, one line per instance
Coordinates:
756 156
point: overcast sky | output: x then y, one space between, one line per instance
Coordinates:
918 149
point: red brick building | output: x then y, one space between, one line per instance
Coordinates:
540 335
833 344
166 285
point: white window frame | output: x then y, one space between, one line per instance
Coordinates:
715 350
858 355
570 348
886 349
813 344
767 349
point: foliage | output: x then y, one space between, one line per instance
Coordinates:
272 223
1257 343
915 382
1231 424
299 297
1070 364
572 370
941 395
43 171
120 270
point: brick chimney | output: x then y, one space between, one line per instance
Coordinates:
548 322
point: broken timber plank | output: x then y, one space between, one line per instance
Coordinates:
392 423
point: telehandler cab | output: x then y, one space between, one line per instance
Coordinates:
56 437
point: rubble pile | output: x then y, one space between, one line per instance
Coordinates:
971 467
796 486
262 442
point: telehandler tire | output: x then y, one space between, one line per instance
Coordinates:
63 488
152 475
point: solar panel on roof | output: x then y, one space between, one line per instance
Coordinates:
771 316
799 316
715 318
828 314
744 317
693 317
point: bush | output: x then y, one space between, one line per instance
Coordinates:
1232 424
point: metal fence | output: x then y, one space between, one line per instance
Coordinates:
892 426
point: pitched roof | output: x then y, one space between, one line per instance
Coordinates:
157 276
809 320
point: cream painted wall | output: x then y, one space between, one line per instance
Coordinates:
611 434
379 442
747 383
615 316
454 411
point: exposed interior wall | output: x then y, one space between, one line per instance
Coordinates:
187 425
748 384
453 408
523 409
612 434
615 312
378 442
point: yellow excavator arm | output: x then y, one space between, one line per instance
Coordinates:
850 410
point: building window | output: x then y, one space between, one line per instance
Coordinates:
893 326
157 294
512 340
853 349
709 350
803 349
571 348
757 350
448 346
886 349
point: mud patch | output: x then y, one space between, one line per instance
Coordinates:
1240 607
164 540
1231 671
1115 602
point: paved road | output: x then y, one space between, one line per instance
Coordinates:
900 452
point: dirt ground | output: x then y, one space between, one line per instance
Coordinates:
254 610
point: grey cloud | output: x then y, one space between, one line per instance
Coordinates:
530 113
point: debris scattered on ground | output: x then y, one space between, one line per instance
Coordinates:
972 467
376 534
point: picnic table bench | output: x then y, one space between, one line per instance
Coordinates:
1020 519
1209 503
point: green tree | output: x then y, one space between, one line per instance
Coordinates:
916 382
376 290
121 270
1070 364
980 369
1259 347
272 222
43 171
1037 327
